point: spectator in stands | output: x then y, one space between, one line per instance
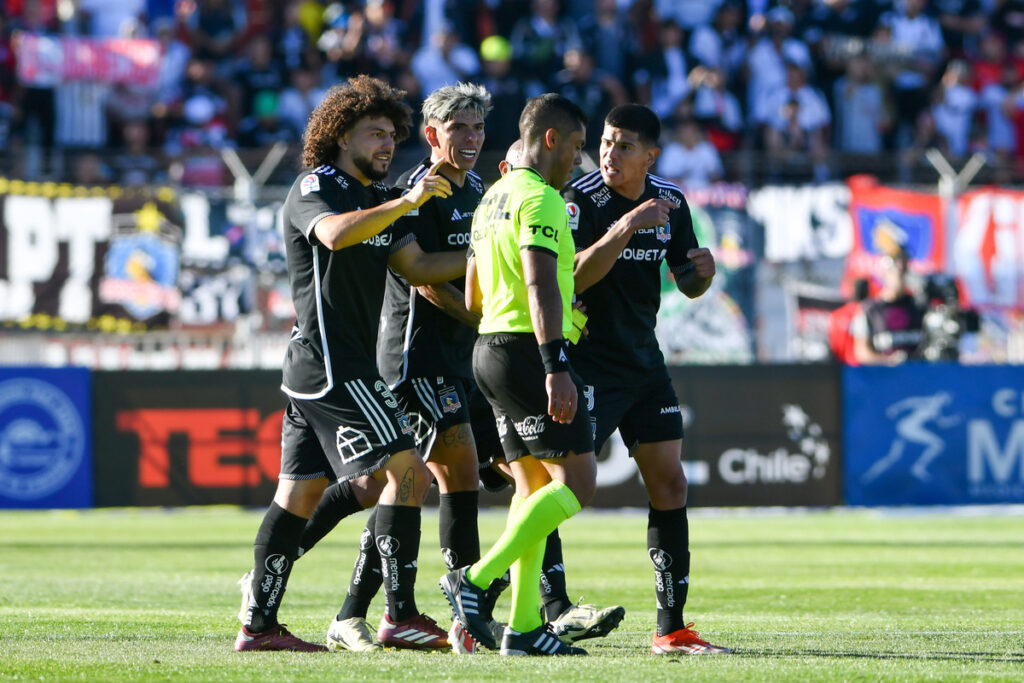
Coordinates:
595 92
860 112
688 158
917 38
110 18
137 163
953 111
257 73
264 126
1001 135
661 79
608 36
508 93
539 43
300 98
987 64
721 44
216 29
38 109
174 60
1008 20
87 168
384 36
443 60
8 84
294 44
688 14
766 64
342 41
962 23
799 122
717 109
840 336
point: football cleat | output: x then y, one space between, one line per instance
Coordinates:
276 638
685 641
467 601
539 641
462 642
580 622
245 585
417 633
351 634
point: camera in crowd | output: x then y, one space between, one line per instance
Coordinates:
945 321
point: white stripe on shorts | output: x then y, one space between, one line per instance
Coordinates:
371 410
426 394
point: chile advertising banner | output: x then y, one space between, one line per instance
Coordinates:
933 434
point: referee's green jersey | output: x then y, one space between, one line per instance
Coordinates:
520 211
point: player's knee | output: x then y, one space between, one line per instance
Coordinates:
581 477
668 492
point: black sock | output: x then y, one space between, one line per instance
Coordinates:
338 502
668 543
552 579
460 538
274 553
366 576
397 534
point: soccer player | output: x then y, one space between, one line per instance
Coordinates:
342 421
625 222
424 353
520 280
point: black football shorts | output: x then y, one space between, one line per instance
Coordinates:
434 405
351 431
508 370
647 412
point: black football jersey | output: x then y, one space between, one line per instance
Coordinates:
417 338
337 294
623 306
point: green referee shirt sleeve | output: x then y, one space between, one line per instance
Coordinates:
541 219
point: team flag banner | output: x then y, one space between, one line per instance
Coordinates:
988 256
45 438
883 217
933 434
97 258
46 61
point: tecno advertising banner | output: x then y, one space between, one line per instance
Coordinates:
925 434
45 438
187 438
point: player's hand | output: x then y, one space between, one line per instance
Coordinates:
703 262
562 397
432 184
651 213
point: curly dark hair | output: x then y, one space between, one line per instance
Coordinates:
344 105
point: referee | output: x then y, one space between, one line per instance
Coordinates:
342 422
521 280
625 222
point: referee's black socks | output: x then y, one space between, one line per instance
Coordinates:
668 544
397 535
274 552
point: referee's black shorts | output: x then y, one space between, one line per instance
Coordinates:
352 431
510 375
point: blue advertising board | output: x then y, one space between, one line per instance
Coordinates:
933 434
45 438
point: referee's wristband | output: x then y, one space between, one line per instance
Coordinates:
553 356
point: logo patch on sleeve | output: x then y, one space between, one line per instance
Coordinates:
310 183
573 211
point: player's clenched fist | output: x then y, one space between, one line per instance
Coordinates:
652 213
703 262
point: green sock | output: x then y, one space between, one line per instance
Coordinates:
525 613
538 516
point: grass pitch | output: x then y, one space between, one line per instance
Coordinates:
115 595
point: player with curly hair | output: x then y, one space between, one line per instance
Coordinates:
342 422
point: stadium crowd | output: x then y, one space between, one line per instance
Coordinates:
803 82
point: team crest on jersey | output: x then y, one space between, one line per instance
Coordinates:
310 183
573 211
405 424
663 232
449 399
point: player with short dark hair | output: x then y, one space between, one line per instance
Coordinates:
342 422
625 222
520 280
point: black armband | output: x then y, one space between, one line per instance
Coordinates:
553 356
